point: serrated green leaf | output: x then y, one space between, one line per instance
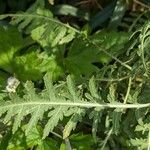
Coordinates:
21 142
80 58
116 120
71 88
28 23
84 53
68 37
27 66
111 41
47 144
50 65
96 120
45 36
18 119
50 91
112 91
55 115
37 115
93 89
76 117
140 143
30 91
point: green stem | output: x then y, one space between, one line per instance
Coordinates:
73 104
106 139
39 16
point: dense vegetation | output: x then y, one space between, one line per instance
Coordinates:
75 75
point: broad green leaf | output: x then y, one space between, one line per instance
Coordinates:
80 58
84 53
27 66
10 42
21 142
111 41
80 142
51 66
32 64
47 144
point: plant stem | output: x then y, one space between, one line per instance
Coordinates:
128 91
106 139
73 104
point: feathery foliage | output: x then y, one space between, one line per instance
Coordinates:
54 104
106 93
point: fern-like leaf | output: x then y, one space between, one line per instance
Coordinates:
42 26
55 115
76 117
54 104
93 88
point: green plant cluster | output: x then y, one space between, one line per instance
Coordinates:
81 88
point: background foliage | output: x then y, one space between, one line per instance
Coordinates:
84 73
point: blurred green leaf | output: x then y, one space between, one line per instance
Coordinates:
19 141
80 142
10 42
65 9
47 144
51 65
80 58
118 14
82 55
102 16
27 67
116 120
5 140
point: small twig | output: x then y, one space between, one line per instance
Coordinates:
142 4
106 139
135 21
68 145
112 80
128 91
56 134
